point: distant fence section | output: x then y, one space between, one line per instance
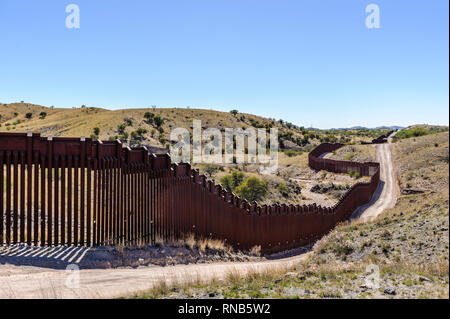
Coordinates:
84 192
380 139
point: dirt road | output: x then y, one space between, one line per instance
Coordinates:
386 194
36 282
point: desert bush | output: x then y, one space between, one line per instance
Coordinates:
349 157
252 189
121 128
128 121
149 117
292 153
232 181
284 190
158 120
210 169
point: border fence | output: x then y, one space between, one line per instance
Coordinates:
84 192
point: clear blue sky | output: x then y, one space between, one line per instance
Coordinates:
308 62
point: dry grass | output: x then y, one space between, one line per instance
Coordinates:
255 250
423 162
354 153
191 242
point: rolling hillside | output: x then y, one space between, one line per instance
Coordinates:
131 125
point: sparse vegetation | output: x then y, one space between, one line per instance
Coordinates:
418 130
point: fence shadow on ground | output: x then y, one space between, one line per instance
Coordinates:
47 257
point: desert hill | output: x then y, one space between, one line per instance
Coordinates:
133 127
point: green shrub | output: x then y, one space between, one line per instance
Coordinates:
158 120
284 190
232 181
149 117
141 131
292 153
128 121
350 156
252 189
121 128
210 169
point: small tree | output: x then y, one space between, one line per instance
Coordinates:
96 131
234 112
121 128
29 115
210 169
128 121
158 120
123 137
252 189
42 115
232 181
149 117
141 131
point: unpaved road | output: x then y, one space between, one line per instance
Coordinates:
386 194
36 282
